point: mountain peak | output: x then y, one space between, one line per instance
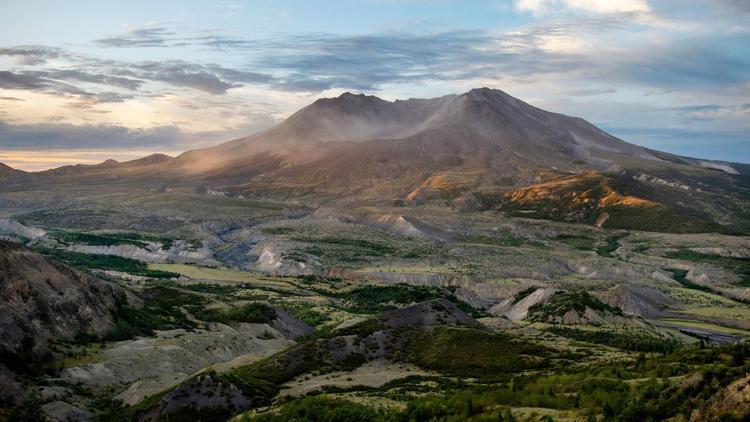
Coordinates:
108 163
489 94
349 94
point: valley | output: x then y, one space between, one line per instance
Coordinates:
474 258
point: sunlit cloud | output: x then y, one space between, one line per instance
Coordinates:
595 6
32 160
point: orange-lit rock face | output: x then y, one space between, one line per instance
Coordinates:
576 197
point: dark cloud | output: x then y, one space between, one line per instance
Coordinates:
184 74
65 136
33 54
367 62
317 62
690 63
213 79
44 81
10 80
742 6
164 37
711 112
170 137
141 37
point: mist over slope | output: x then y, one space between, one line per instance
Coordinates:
473 149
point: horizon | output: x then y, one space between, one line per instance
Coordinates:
177 76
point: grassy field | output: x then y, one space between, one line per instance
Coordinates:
697 297
105 262
218 274
703 326
740 313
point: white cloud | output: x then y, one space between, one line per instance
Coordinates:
592 6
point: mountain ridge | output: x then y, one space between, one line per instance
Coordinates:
474 148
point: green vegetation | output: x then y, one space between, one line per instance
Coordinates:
104 239
369 247
357 249
306 313
523 294
509 240
658 219
215 289
633 342
681 277
28 359
583 243
278 230
322 409
586 243
623 391
105 262
373 299
112 238
169 308
739 266
609 391
257 313
162 309
474 353
611 245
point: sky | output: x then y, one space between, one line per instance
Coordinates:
83 81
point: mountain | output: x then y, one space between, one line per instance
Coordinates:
9 174
462 127
478 148
484 144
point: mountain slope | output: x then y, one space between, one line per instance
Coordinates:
42 299
474 148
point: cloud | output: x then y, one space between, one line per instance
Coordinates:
30 55
318 62
57 135
590 92
162 37
713 111
51 83
183 74
742 6
593 6
139 37
210 78
65 136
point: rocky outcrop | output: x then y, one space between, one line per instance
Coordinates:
14 228
42 299
434 312
517 307
731 403
407 227
641 301
179 252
